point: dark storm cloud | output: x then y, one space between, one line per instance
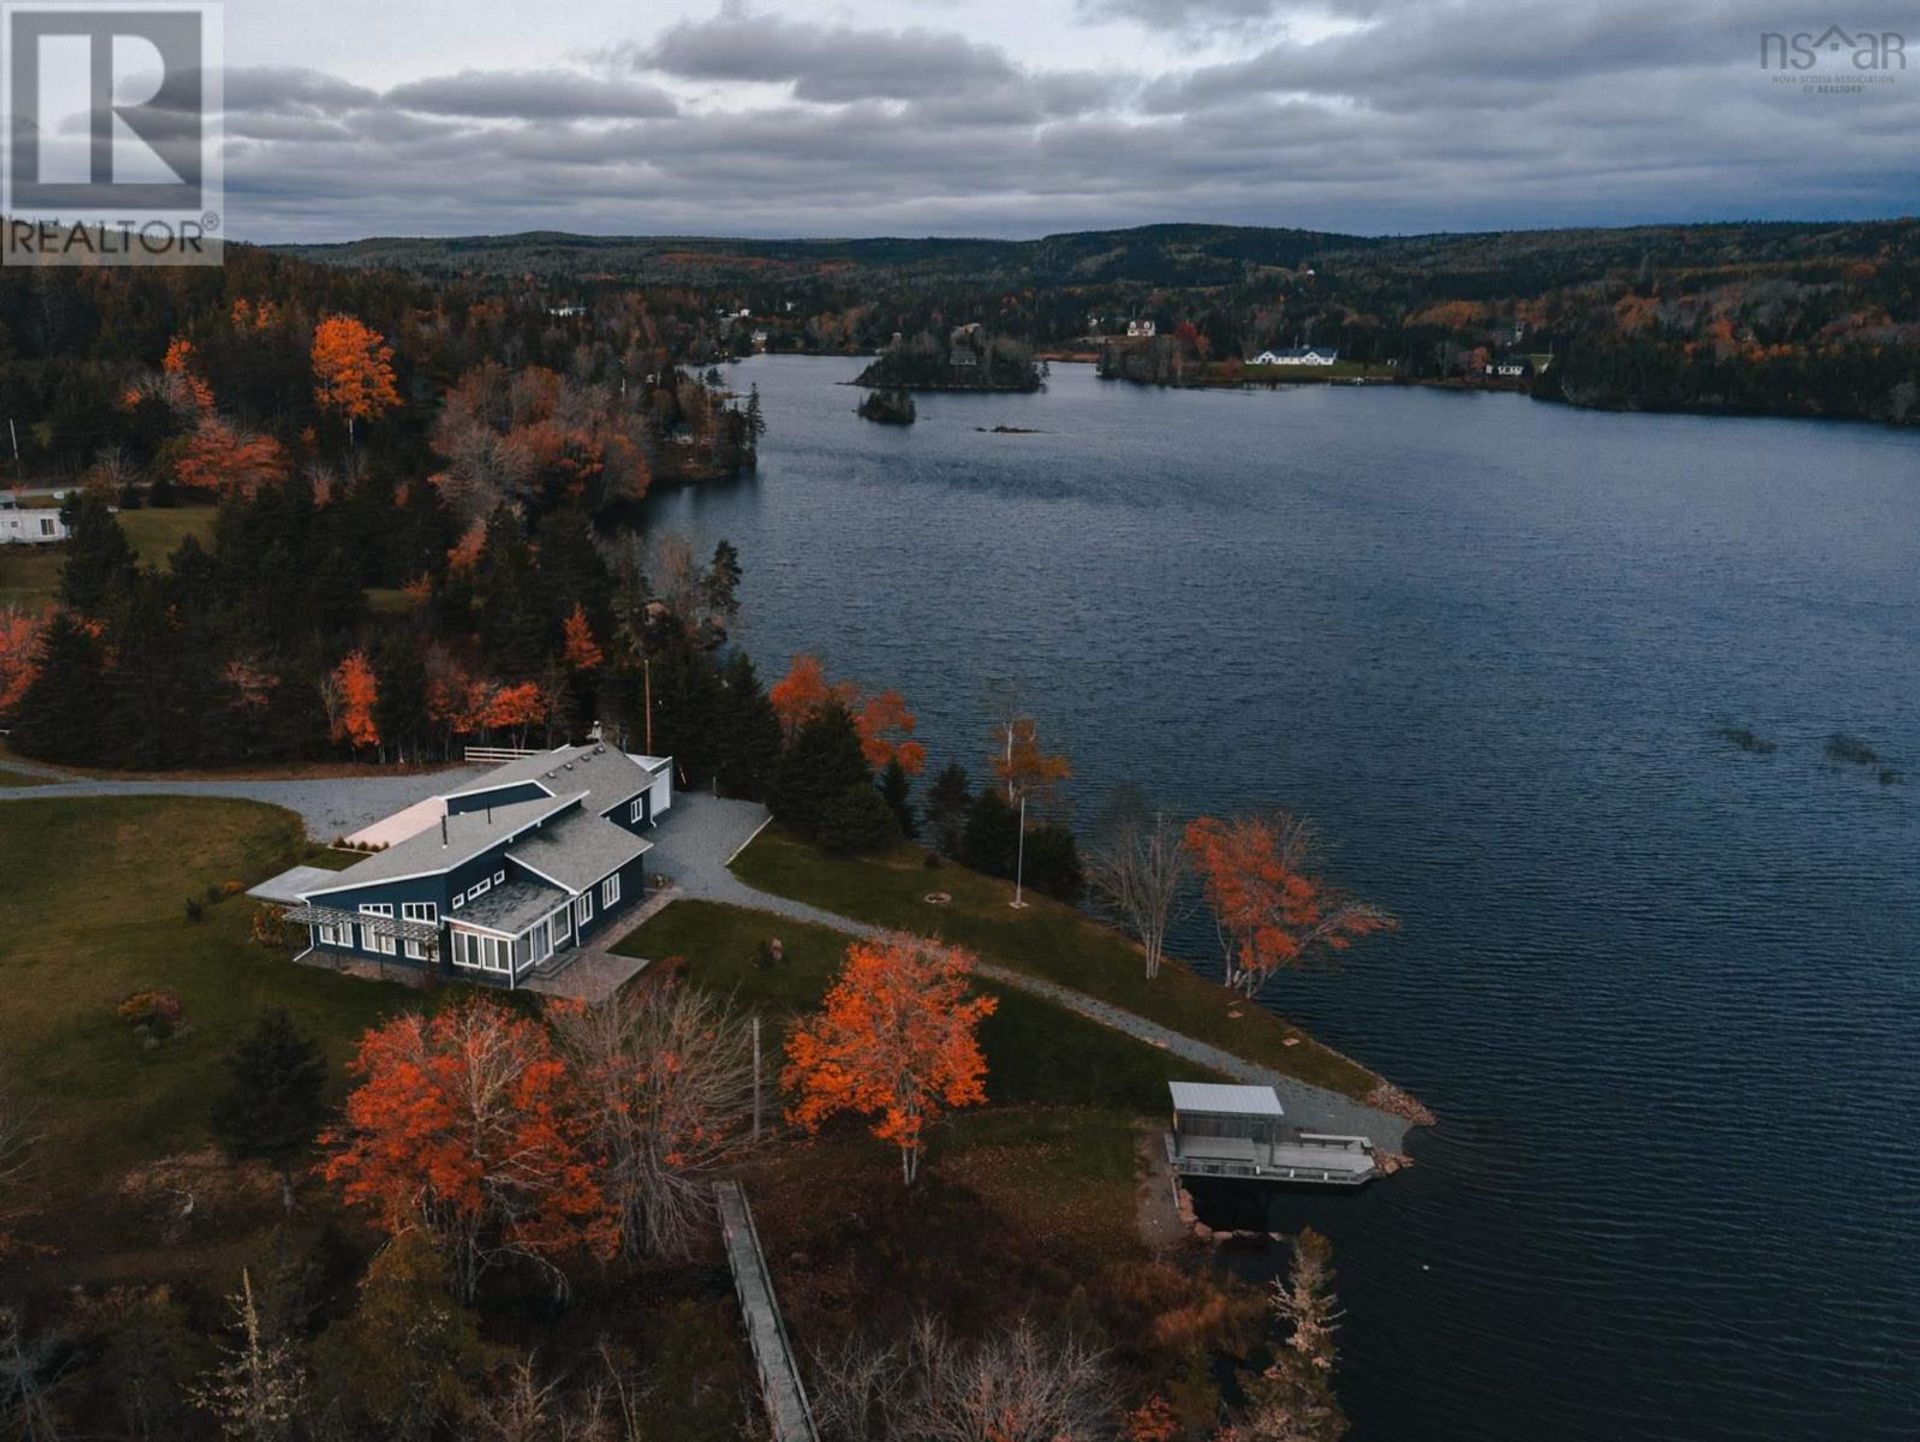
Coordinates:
825 63
1478 116
531 95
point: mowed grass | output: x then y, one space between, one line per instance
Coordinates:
30 575
94 909
1037 1053
1046 939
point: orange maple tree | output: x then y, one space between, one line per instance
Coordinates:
352 370
220 456
185 385
583 653
884 722
516 707
1273 911
465 1124
353 694
897 1041
19 654
886 733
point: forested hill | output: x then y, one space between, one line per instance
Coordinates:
1775 318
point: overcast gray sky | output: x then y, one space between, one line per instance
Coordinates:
1020 117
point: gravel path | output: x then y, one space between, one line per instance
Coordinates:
701 835
330 806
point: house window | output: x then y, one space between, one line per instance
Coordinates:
326 935
479 888
419 911
371 940
459 900
562 924
46 525
583 908
638 812
499 878
610 891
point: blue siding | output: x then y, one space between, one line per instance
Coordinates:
499 796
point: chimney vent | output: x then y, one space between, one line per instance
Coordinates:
443 828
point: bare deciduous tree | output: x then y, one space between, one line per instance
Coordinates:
609 1408
255 1392
1138 868
666 1073
1018 1386
29 1370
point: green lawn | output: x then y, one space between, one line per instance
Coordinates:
30 575
1047 939
94 909
1036 1052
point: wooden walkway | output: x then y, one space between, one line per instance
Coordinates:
788 1413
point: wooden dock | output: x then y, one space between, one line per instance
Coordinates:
789 1415
1309 1159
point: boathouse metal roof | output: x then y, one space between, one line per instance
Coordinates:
1221 1100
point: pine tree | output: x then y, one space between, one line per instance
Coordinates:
61 717
272 1105
897 791
749 732
948 802
336 600
99 559
823 760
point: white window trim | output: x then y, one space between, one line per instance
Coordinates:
610 891
428 911
459 900
479 888
582 909
637 813
372 941
500 878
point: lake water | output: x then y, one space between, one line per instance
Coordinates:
1662 992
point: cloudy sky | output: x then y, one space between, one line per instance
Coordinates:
1020 117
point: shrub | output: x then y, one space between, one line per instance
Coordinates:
196 909
858 821
156 1013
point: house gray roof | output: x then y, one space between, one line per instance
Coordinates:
458 839
1235 1101
512 906
607 775
578 850
291 886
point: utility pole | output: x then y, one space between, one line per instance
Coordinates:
646 668
14 436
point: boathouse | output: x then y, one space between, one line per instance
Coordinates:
1243 1132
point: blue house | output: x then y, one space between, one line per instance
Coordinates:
523 864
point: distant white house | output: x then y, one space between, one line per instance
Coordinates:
1140 330
1507 368
1300 355
23 526
566 310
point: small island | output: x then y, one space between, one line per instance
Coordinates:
970 359
891 407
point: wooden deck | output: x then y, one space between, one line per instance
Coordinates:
1312 1159
789 1415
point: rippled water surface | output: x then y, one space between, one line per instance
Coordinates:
1661 991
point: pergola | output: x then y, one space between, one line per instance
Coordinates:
419 933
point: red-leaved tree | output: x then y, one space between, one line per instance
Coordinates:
1273 910
897 1041
466 1123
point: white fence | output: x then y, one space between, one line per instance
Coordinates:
498 755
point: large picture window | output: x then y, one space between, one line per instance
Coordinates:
371 940
427 911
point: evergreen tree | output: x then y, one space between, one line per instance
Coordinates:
823 760
272 1104
720 583
896 789
948 802
100 562
409 1356
687 698
857 822
400 708
514 635
337 602
748 742
572 571
990 842
61 717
